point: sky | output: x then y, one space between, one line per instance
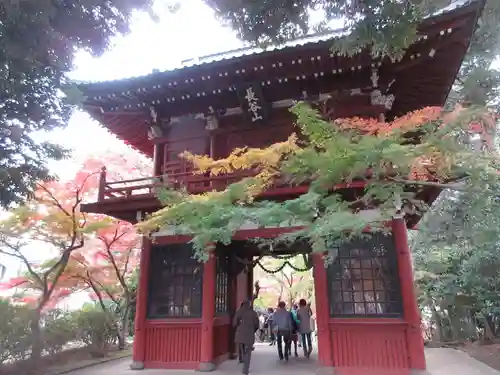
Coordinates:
191 32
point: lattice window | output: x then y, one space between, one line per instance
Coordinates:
222 285
363 279
175 282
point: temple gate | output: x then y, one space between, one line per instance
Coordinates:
367 314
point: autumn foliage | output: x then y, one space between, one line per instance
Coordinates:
53 223
77 251
396 159
424 167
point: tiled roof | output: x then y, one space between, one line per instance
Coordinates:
452 6
311 39
248 51
228 55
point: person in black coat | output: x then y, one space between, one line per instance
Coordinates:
246 323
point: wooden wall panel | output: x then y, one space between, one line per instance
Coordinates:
222 327
257 137
241 288
173 345
369 344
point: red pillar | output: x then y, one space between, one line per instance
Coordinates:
208 315
411 311
157 159
250 282
325 350
242 288
233 299
139 348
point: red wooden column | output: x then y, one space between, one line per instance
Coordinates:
233 301
208 314
250 282
414 338
157 159
325 349
139 348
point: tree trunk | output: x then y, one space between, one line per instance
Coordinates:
455 325
438 335
470 325
36 339
126 321
122 331
121 338
489 334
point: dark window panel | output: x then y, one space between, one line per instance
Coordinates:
222 285
175 282
363 279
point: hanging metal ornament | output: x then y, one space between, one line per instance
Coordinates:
307 262
249 265
281 256
272 272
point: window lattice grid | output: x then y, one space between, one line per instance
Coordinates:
363 279
175 283
222 285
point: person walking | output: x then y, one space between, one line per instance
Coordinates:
304 315
270 326
314 332
282 323
262 330
295 329
246 322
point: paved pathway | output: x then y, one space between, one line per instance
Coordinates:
444 361
264 362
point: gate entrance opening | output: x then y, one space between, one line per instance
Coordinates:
364 305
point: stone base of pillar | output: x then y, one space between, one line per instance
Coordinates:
137 365
206 367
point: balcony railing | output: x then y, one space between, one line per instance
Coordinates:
149 186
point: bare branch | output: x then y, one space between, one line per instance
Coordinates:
106 290
289 280
97 292
54 199
127 261
108 246
18 254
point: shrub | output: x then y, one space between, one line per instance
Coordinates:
58 330
15 334
95 329
91 326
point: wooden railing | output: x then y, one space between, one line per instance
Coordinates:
194 184
147 186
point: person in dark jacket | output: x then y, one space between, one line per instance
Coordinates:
282 324
246 322
269 324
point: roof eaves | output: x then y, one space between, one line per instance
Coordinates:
250 51
451 7
310 39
